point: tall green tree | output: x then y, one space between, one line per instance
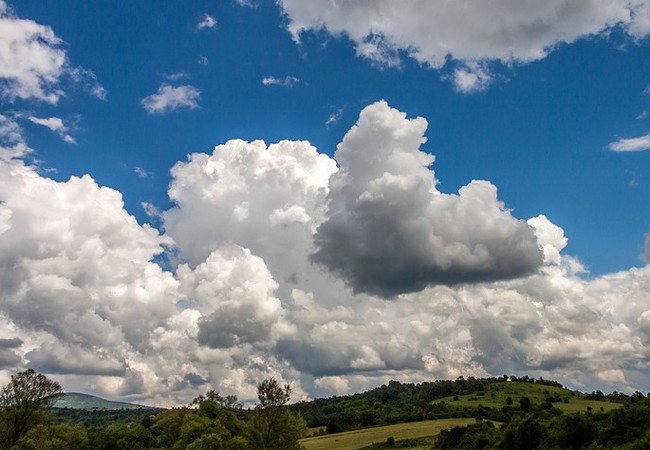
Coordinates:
23 403
273 426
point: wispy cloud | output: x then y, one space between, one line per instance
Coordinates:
142 173
88 80
637 144
171 98
177 76
151 210
56 125
287 81
334 117
206 22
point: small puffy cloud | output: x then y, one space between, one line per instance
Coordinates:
33 61
171 98
56 125
287 81
389 231
471 78
206 22
434 33
203 60
638 144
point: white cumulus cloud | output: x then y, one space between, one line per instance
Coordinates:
171 98
207 21
472 78
83 298
637 144
33 61
433 33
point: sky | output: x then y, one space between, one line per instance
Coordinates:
203 194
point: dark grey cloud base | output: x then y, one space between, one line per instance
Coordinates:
389 231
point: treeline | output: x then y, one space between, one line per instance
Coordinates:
212 422
216 422
627 427
404 402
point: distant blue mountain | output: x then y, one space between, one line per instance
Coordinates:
75 400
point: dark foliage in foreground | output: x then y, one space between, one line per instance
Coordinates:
627 427
212 422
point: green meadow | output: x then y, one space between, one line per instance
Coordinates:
352 440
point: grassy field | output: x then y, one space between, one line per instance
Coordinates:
498 393
352 440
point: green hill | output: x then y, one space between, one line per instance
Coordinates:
496 395
75 400
496 398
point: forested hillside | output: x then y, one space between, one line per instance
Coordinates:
502 412
495 398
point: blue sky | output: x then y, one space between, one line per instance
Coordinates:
547 103
540 133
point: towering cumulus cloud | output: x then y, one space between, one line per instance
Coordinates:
389 231
83 298
75 273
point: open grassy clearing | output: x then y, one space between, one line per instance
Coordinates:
497 394
582 405
352 440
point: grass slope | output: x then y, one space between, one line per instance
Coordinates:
497 393
75 400
351 440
